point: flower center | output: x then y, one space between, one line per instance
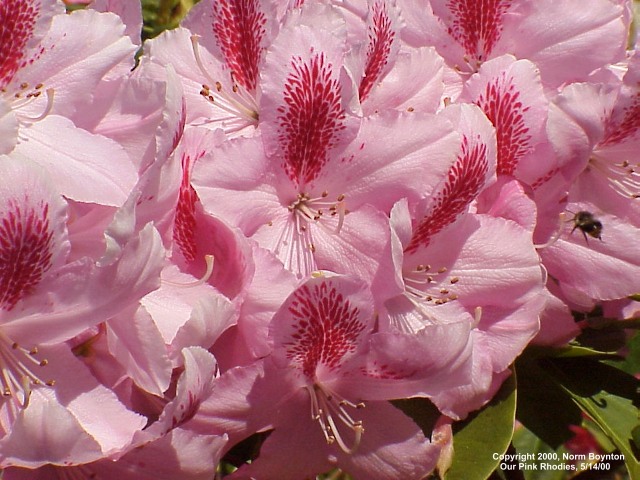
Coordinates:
295 246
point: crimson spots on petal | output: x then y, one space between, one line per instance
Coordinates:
311 118
386 372
25 250
464 182
17 24
327 327
381 38
239 29
477 25
185 220
501 103
618 132
185 411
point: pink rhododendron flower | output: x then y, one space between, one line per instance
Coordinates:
46 299
48 68
468 33
324 359
307 166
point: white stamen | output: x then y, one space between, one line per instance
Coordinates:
239 104
624 177
209 260
326 404
16 371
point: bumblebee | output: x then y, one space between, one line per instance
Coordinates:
588 225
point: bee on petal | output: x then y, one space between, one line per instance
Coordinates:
588 225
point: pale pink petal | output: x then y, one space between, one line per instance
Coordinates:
242 403
210 97
131 110
393 447
8 128
552 34
95 406
194 386
84 295
321 326
557 325
136 343
210 317
378 171
228 191
458 402
559 37
435 359
86 167
179 454
186 310
507 199
46 432
129 12
382 44
270 285
608 267
361 248
238 33
416 83
472 171
79 50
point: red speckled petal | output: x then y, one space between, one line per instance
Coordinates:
322 324
32 231
23 23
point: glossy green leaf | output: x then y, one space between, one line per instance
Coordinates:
609 396
479 440
537 456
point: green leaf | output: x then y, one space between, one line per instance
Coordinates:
609 396
544 407
631 361
481 438
534 452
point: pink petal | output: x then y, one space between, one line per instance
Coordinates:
33 236
79 50
77 299
510 94
68 153
136 343
305 95
24 24
237 33
322 325
45 433
8 128
129 12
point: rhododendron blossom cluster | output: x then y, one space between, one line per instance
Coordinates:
281 216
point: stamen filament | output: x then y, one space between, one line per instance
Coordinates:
324 406
209 260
